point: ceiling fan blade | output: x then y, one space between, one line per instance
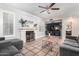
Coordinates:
43 7
42 11
55 8
48 12
51 5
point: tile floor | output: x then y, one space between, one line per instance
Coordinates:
34 48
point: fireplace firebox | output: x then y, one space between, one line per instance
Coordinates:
30 36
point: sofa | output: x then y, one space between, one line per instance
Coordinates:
10 47
70 46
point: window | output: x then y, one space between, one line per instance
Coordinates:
8 22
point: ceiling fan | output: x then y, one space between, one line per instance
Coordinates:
48 8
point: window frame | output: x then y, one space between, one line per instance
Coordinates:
4 11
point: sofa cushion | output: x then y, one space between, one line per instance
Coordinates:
71 43
71 37
18 54
70 48
4 54
17 43
2 38
4 44
66 50
10 50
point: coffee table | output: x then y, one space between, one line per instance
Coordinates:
52 43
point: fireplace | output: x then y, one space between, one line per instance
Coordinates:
30 36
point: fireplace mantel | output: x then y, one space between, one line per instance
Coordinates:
26 29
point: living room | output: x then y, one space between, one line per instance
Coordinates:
23 26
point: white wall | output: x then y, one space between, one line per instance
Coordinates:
1 24
18 15
75 27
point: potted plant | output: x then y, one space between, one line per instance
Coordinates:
22 22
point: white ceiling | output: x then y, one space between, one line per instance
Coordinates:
66 9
